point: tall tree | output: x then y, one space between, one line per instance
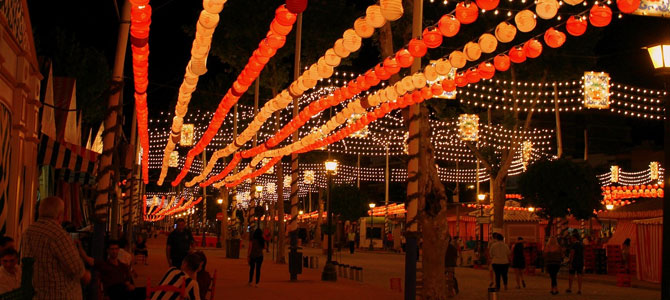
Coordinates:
560 188
348 202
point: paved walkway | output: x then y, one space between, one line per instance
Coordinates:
232 279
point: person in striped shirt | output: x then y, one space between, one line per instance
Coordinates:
175 277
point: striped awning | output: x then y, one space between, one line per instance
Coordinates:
74 161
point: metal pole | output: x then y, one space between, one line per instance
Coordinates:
358 171
294 256
109 137
586 144
387 181
665 278
412 228
204 204
559 138
372 222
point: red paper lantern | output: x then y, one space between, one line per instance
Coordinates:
284 16
279 28
576 26
140 15
404 58
371 78
488 4
460 79
554 38
628 6
296 6
417 48
472 75
449 85
466 12
381 73
501 62
486 70
275 41
417 97
600 15
517 55
426 93
391 65
432 37
436 89
532 48
449 25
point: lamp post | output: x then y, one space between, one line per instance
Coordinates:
329 273
660 58
480 199
372 224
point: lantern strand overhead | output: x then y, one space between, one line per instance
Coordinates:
140 22
376 17
281 25
196 67
417 80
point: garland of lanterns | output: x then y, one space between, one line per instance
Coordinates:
281 26
653 174
532 48
351 41
140 21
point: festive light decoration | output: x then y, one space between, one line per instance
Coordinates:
613 193
140 21
287 180
631 178
653 170
527 150
174 159
186 135
361 133
596 90
308 176
271 170
614 174
468 127
274 40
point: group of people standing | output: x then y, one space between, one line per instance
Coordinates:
500 257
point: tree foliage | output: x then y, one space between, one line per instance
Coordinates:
348 202
561 187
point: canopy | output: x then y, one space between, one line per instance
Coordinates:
77 164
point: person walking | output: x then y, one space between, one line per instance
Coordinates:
255 255
576 263
519 262
58 269
450 258
351 239
500 260
179 243
552 262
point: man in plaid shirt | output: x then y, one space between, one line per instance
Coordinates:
58 267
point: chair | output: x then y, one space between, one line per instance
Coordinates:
212 286
166 288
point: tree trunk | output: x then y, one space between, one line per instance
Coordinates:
433 217
498 189
281 255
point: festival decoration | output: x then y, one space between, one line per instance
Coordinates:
472 51
449 25
271 170
174 159
526 151
554 38
546 9
628 6
488 43
501 62
532 48
573 2
186 135
596 90
576 26
614 174
468 127
466 12
517 54
653 170
361 133
457 59
505 32
525 20
308 176
487 4
600 15
271 187
391 9
296 6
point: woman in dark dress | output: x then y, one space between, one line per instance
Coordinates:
518 262
255 255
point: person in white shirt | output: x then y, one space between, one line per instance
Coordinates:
10 272
124 256
499 253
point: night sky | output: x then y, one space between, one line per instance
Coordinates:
616 49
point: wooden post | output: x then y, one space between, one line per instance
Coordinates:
411 228
109 136
586 144
559 139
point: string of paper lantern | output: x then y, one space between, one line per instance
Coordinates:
281 26
376 17
140 22
196 67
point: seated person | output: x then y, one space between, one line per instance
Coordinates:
10 272
124 256
114 275
203 277
176 277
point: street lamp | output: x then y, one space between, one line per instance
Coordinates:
531 209
609 206
372 222
660 58
329 273
219 201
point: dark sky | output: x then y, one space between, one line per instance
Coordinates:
618 47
